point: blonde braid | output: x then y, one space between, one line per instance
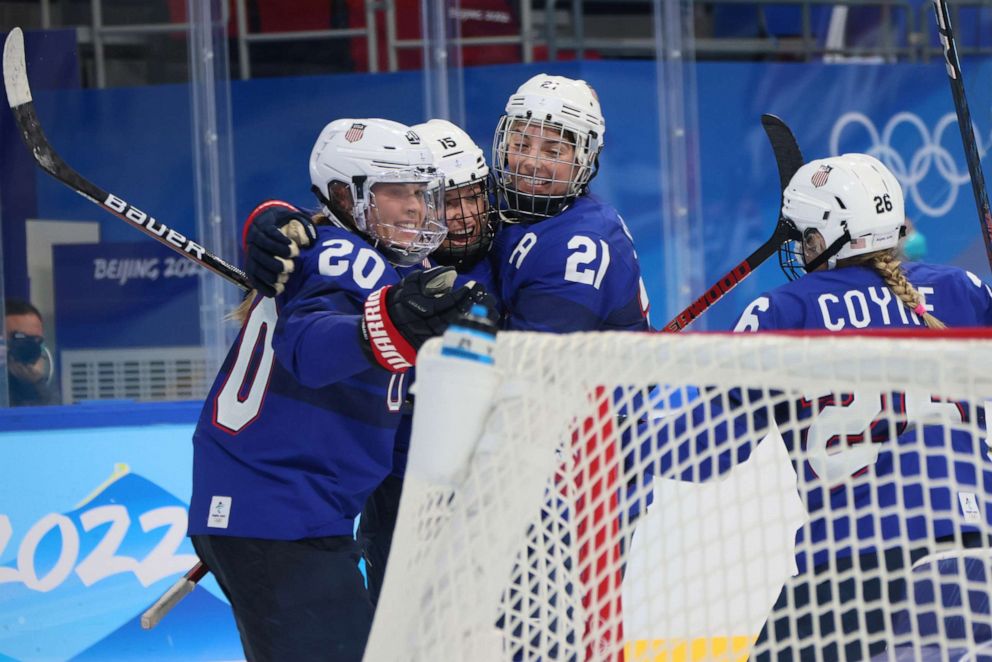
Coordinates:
887 264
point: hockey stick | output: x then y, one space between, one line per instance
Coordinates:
15 79
171 598
789 159
971 155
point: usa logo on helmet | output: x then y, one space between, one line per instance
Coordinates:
820 177
354 134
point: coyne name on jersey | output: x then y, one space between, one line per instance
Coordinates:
857 298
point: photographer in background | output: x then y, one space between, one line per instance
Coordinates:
29 363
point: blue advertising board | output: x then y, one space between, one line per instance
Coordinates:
114 295
901 112
93 530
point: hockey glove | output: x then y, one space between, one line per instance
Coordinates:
399 319
476 293
273 235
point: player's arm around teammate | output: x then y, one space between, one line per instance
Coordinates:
298 427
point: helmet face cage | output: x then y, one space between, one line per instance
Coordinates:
468 209
792 257
402 213
471 225
539 166
852 202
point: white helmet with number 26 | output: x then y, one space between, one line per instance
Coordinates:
852 201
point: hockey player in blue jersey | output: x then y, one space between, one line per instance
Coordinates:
471 227
564 259
275 231
863 283
849 211
298 427
856 454
468 213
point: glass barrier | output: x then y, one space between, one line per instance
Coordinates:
194 118
185 115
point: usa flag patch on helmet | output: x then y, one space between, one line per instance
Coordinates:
820 177
355 133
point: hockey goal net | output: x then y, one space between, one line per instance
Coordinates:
663 497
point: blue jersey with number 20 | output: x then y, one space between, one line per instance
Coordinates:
298 428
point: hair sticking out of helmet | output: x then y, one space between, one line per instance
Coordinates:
849 210
547 146
395 196
468 213
887 264
843 206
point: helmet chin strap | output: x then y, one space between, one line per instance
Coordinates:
321 198
594 170
829 252
835 247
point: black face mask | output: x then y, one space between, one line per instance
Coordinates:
24 348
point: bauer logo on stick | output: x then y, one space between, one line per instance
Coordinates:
355 133
821 176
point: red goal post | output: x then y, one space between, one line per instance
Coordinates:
638 497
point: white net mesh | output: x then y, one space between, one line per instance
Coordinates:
651 497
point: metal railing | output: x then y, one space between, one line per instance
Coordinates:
906 39
928 50
903 31
245 37
525 37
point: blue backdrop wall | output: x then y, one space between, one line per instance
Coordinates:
65 490
136 143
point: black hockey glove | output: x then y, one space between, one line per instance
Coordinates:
399 319
273 235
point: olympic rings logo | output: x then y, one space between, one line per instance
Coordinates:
931 154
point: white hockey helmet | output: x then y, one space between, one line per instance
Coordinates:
458 158
470 221
852 200
556 107
361 153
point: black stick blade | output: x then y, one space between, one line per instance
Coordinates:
789 159
788 156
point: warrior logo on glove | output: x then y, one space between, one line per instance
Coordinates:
399 319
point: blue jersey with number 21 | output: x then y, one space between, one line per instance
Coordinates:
576 271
